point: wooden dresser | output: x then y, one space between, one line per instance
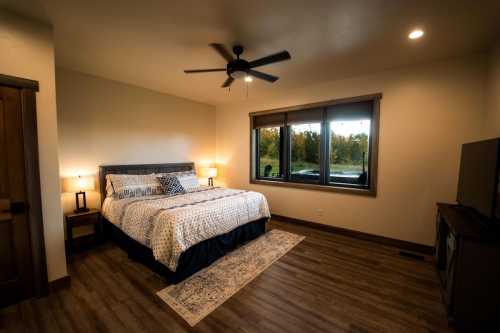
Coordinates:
468 262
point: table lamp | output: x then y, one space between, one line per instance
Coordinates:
209 173
79 185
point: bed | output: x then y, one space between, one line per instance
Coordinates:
178 235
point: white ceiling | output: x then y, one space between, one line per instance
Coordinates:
149 43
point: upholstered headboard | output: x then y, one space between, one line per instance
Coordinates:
138 169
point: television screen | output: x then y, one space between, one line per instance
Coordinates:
478 185
497 214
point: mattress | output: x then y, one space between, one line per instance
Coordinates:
169 225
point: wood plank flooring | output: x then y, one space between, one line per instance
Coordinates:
328 283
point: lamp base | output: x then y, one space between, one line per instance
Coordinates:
81 207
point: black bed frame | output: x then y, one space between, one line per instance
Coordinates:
193 259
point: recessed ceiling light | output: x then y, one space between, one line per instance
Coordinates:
248 78
416 34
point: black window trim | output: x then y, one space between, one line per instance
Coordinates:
324 183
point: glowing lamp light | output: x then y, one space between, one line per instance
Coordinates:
79 185
416 34
248 78
209 173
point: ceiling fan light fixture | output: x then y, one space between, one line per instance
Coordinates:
248 78
416 34
238 74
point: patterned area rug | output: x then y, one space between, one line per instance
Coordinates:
197 296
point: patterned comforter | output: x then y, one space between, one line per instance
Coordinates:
170 225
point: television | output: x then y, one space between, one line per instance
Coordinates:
479 178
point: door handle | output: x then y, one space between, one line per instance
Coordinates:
16 207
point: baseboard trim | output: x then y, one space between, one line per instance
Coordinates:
59 284
401 244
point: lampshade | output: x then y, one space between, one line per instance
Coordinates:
79 183
208 172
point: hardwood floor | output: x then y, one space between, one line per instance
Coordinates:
328 283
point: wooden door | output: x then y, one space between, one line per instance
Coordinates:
16 266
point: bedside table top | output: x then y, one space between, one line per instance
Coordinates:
90 212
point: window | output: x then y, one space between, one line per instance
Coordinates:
305 150
269 152
327 146
349 151
268 141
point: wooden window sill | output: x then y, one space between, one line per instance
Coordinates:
317 187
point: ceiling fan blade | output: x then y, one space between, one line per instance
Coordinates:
221 49
191 71
263 76
280 56
228 82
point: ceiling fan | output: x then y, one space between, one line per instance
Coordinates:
237 68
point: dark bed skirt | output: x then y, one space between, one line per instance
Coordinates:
193 259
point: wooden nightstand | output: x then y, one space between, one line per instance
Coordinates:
92 217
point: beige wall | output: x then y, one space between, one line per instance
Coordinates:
427 112
27 51
492 121
106 122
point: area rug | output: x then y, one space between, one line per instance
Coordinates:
197 296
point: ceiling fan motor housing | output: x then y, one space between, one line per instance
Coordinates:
237 68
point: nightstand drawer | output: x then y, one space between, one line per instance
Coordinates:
84 220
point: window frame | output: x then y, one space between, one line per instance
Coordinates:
325 144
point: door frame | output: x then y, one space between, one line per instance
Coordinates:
28 90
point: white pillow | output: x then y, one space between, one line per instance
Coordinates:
188 179
109 187
189 182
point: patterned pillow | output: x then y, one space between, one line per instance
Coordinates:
177 173
171 185
128 186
